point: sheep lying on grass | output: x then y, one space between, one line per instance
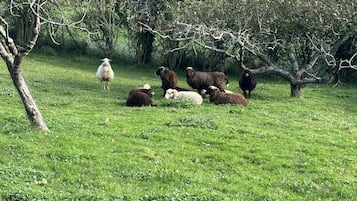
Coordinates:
140 97
184 95
202 80
218 97
247 83
105 73
205 95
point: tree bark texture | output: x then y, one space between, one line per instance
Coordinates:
144 47
13 56
33 113
296 90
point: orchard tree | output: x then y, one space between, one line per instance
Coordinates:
148 12
103 19
296 40
14 50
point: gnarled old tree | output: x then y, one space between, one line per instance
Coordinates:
13 50
13 56
296 40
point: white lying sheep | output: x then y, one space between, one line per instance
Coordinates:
184 95
105 73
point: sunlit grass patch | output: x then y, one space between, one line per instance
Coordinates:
194 122
276 148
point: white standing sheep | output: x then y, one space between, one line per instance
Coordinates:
184 95
105 73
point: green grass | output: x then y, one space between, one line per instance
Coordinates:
277 148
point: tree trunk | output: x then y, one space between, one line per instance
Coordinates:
217 59
33 113
13 56
144 47
173 59
296 90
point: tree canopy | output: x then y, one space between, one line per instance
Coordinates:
296 40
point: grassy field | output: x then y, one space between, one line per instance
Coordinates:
277 148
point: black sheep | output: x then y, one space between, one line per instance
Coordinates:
247 82
168 77
140 97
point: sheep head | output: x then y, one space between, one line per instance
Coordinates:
190 72
247 73
160 70
145 89
105 60
148 90
212 90
171 93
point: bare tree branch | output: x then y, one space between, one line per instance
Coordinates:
32 40
348 63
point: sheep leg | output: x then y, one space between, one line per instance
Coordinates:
101 82
245 93
106 85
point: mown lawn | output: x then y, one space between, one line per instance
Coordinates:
277 148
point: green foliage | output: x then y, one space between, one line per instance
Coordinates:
67 44
276 148
102 22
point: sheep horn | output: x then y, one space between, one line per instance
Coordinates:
146 86
105 59
212 87
189 68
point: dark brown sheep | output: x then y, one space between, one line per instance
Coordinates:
202 80
218 97
140 97
247 82
169 78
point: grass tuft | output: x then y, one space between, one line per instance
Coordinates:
194 122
